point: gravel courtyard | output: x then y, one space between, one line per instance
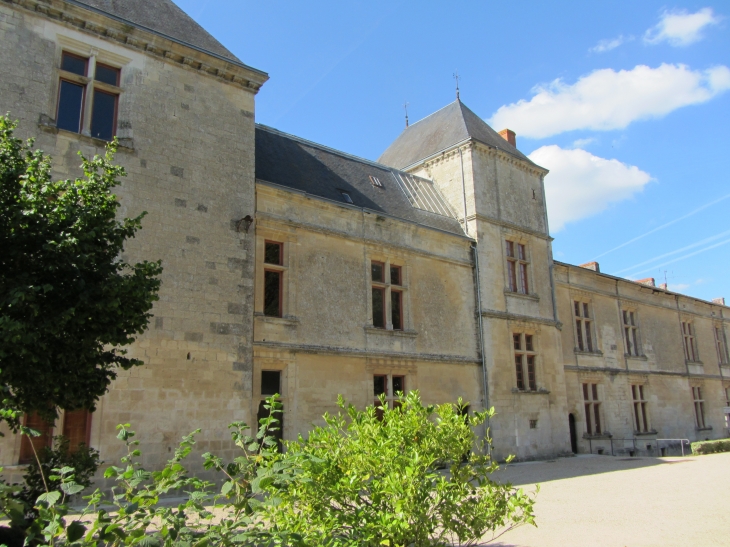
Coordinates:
597 501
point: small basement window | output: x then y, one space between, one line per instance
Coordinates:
346 196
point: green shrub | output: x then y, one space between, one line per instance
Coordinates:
710 447
412 476
368 480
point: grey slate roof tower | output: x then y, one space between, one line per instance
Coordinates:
161 17
444 128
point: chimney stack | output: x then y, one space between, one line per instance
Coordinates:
663 286
591 266
648 281
509 136
720 301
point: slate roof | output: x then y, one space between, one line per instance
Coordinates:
452 124
161 17
308 167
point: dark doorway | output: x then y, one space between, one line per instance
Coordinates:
573 436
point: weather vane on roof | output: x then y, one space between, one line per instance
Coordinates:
457 77
405 106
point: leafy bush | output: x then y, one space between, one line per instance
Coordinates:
359 480
84 461
369 480
134 515
710 447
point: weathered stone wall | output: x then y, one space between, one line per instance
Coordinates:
325 344
660 365
189 155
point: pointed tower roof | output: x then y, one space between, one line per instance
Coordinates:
162 17
444 128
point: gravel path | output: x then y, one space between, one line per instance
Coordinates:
597 501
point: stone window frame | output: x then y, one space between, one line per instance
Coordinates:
593 407
521 263
720 344
689 341
584 324
287 267
386 367
698 404
634 340
403 289
94 55
258 397
640 404
391 399
524 353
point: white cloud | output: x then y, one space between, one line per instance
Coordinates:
610 43
679 287
680 28
581 185
582 143
607 99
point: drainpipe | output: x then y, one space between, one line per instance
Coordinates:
485 378
463 191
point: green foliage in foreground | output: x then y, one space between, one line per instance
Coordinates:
83 460
68 301
410 479
710 447
413 479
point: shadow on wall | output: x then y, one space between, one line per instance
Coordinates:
566 468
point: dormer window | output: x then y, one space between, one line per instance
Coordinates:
375 181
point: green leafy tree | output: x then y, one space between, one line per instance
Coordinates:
414 476
68 301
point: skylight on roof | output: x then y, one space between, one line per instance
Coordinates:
346 197
423 195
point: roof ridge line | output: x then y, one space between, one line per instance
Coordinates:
432 113
234 61
334 150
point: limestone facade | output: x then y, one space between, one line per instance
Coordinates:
479 289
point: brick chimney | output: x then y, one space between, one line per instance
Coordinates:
591 266
509 136
663 286
650 281
720 301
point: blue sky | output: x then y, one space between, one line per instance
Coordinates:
627 103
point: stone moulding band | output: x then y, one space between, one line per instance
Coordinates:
609 370
356 352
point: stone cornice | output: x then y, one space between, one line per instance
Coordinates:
148 41
573 286
496 314
361 352
509 226
470 144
